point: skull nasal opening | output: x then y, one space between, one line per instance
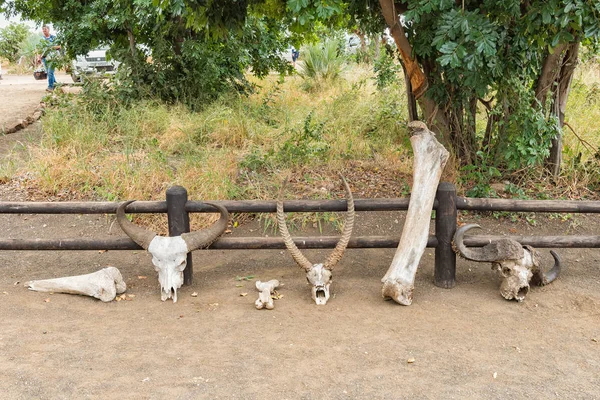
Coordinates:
523 291
320 293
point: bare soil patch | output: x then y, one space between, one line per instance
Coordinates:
19 96
466 342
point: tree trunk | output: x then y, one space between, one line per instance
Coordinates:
417 78
549 74
377 46
413 113
363 41
131 42
436 118
560 96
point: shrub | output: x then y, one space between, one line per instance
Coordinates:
321 63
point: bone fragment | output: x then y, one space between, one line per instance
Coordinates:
104 284
429 160
266 289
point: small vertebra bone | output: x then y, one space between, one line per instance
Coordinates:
266 289
104 284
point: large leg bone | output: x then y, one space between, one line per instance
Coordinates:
264 297
104 284
429 160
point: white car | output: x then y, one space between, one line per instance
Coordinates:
93 63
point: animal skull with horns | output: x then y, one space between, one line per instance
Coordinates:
518 265
319 275
169 254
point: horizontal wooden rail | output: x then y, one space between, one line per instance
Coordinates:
323 242
564 206
269 206
73 207
241 206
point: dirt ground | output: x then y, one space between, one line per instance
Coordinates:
466 342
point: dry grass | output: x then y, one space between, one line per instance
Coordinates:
138 153
243 147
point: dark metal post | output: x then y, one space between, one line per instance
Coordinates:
179 222
445 226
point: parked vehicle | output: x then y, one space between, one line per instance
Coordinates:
93 63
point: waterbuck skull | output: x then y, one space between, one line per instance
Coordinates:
518 266
319 275
169 254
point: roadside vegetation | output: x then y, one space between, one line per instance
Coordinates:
303 126
231 119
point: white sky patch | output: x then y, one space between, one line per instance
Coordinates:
4 22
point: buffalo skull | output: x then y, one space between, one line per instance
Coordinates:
518 265
318 275
169 254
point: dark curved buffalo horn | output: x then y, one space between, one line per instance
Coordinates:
203 238
141 236
544 278
499 250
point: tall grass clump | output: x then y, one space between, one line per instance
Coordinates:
237 147
321 63
581 133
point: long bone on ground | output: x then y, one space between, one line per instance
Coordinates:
104 284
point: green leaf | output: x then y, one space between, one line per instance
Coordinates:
546 18
448 47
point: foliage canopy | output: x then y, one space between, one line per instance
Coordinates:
513 58
11 40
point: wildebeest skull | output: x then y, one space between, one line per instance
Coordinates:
318 275
169 254
518 266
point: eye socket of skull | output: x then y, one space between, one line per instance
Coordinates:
506 271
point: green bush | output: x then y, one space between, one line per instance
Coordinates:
321 63
386 70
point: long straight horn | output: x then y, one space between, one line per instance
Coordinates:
287 238
203 238
338 252
141 236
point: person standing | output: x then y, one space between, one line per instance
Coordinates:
295 54
47 64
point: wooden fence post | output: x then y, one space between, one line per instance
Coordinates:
445 226
179 222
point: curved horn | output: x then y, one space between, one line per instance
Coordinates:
499 250
287 238
141 236
545 278
203 238
338 252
